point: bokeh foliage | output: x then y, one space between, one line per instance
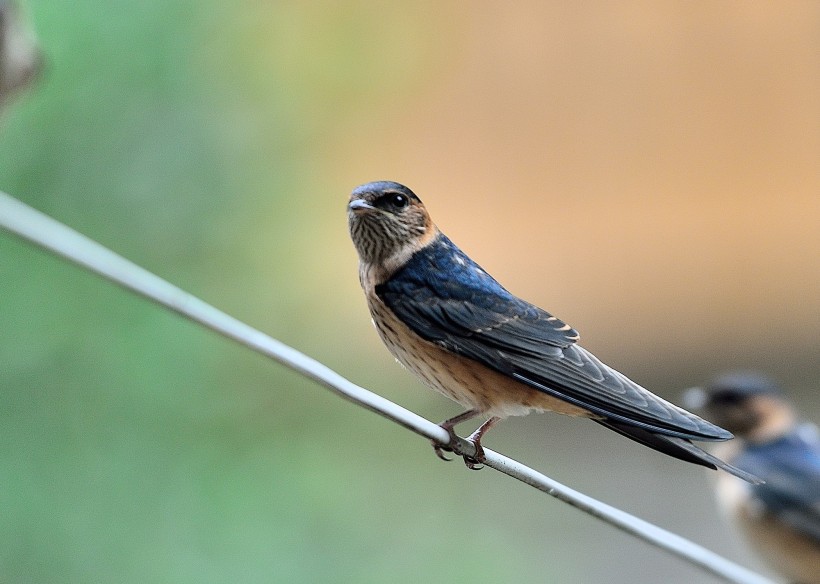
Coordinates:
189 137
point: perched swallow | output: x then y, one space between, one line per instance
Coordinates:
781 518
449 322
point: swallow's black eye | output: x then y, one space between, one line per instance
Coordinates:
398 201
392 201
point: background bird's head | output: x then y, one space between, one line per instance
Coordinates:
748 404
387 222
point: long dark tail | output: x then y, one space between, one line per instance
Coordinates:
677 447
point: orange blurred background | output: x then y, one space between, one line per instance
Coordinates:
648 171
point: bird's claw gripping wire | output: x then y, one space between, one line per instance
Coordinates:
475 462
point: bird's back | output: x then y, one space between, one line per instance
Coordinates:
448 299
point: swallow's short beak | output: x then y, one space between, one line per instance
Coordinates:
360 206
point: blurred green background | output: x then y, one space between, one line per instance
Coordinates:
645 170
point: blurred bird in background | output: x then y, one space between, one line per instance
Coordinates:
780 518
20 59
449 322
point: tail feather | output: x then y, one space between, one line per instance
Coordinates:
679 448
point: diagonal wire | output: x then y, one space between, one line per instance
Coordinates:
40 229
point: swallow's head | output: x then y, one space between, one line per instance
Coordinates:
748 404
387 221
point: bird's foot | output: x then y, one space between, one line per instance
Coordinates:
475 462
472 462
440 448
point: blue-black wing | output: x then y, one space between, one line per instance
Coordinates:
447 299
